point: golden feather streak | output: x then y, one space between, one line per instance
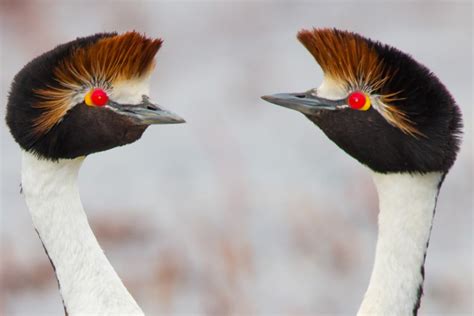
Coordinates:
101 64
350 59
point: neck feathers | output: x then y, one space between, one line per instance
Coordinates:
407 203
87 281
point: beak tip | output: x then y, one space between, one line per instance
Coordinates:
173 119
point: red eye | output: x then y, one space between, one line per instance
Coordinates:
99 97
358 100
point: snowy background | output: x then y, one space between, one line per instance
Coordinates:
248 209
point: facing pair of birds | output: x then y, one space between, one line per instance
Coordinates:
376 103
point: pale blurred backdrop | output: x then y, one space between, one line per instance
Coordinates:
247 209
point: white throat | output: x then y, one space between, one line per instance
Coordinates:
407 204
88 283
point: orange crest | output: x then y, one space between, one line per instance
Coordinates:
103 63
353 61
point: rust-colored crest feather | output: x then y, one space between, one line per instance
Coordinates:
101 64
351 60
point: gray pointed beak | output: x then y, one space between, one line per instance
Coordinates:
146 113
305 102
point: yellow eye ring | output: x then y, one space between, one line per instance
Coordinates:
96 97
358 101
88 98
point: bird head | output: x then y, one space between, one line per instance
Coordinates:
378 104
86 96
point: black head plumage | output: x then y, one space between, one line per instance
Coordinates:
48 113
414 124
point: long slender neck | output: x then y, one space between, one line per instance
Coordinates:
88 283
407 204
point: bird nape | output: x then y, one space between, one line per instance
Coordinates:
393 115
82 97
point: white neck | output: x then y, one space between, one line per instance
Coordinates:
407 204
88 283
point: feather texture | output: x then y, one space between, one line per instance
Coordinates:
352 61
101 64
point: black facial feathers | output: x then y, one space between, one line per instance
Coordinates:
369 138
84 129
21 109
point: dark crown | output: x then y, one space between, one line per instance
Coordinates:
417 126
41 111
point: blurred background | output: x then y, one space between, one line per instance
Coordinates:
247 209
